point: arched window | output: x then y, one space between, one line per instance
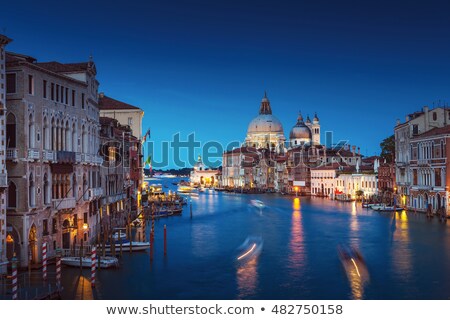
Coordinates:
74 186
31 192
46 133
11 131
12 195
68 137
84 140
53 136
47 189
434 116
31 132
74 138
85 188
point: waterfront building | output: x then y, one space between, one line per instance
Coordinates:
115 173
429 164
4 239
52 130
203 176
125 113
124 131
343 180
415 124
386 178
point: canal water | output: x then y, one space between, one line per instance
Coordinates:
407 256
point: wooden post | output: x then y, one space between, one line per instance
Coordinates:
81 255
58 269
120 241
44 261
165 240
93 265
14 276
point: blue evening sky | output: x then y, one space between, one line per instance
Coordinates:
202 66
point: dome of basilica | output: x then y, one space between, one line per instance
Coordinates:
300 131
265 123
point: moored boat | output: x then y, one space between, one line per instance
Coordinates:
86 262
126 247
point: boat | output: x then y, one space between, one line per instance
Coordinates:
156 189
391 208
123 235
250 249
168 211
257 204
86 262
184 189
135 246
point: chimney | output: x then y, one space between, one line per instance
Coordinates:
359 151
407 118
353 150
425 109
101 94
397 122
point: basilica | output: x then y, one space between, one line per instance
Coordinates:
268 162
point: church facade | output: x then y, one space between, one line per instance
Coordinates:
267 162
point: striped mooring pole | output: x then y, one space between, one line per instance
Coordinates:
14 277
44 261
58 269
93 265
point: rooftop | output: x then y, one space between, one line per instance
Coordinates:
107 103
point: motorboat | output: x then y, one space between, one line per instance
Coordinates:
126 247
257 204
169 211
86 262
184 189
391 208
250 249
119 235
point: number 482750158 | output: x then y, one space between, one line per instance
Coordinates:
307 309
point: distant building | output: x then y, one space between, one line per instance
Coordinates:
386 178
203 176
266 161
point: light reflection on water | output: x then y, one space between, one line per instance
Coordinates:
406 255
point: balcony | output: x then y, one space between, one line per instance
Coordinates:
95 193
3 180
97 160
33 154
423 162
85 157
65 157
66 203
78 157
49 155
12 154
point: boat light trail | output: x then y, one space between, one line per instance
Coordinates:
357 271
248 252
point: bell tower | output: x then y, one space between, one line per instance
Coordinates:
315 129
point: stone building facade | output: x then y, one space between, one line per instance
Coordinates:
52 129
415 124
429 165
4 239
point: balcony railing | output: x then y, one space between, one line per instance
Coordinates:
65 203
95 193
11 154
85 157
78 157
49 155
3 180
33 154
97 159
